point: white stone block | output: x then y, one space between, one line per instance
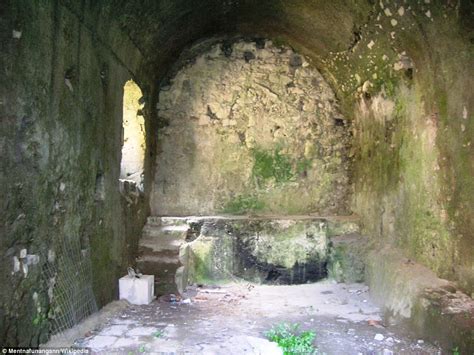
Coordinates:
137 290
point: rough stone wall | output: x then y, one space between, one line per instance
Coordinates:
63 67
416 128
259 250
401 71
61 112
249 127
45 126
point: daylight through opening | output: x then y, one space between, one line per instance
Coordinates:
133 148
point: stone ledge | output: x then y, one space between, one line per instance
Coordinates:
412 294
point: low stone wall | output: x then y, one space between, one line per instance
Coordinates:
289 250
412 294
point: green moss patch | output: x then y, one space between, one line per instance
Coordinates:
244 203
272 165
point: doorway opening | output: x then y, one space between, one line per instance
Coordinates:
133 142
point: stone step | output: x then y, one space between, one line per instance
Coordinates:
174 221
165 288
159 251
161 271
164 274
151 244
158 231
153 221
159 258
166 221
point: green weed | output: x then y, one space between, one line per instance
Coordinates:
291 340
158 334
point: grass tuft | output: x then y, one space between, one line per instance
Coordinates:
291 340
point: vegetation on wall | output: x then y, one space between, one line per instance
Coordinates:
271 165
244 204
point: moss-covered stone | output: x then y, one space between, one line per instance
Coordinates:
272 165
244 204
346 259
211 259
260 250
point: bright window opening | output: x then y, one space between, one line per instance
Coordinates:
133 148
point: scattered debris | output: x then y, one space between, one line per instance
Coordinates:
375 323
379 337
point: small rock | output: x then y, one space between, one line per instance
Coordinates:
296 61
16 264
16 34
23 253
420 341
204 120
393 22
379 337
51 256
371 44
101 341
248 56
32 259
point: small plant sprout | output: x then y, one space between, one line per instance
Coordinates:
158 334
291 340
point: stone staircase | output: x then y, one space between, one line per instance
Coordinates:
158 251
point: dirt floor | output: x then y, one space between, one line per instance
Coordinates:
233 319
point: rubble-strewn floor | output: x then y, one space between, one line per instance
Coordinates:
233 319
